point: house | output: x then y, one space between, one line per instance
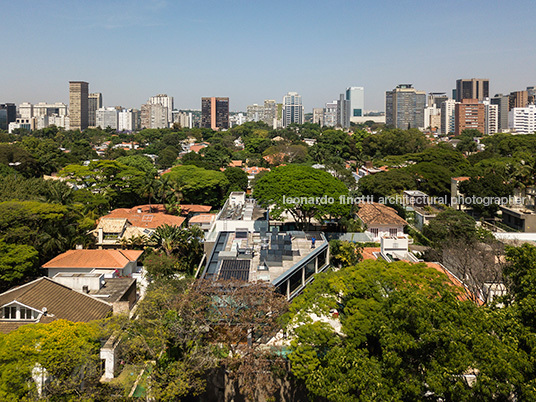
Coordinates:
381 220
124 223
45 300
111 263
204 221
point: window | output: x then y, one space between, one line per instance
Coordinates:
374 232
10 313
393 232
26 314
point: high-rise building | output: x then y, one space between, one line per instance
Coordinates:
154 115
292 109
255 112
94 103
518 99
78 104
166 101
8 114
491 117
127 120
436 99
215 113
404 107
531 92
183 119
330 114
502 102
270 112
50 109
343 112
26 110
470 114
356 96
432 117
474 88
448 116
318 116
107 117
522 120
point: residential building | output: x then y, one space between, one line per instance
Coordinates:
123 224
292 109
127 120
474 88
519 218
166 101
491 116
240 247
518 99
154 115
26 124
356 97
404 107
44 300
330 114
343 112
50 109
52 120
522 120
432 117
8 114
502 102
531 92
94 103
184 119
270 113
470 114
111 263
78 104
381 220
437 99
107 117
255 112
318 116
448 116
215 113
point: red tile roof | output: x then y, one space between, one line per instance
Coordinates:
203 218
379 214
113 259
140 216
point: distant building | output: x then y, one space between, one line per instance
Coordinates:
356 97
437 99
343 112
474 88
184 119
255 112
491 115
78 104
8 114
523 119
381 220
531 92
128 120
50 109
404 107
432 117
518 99
292 109
26 110
330 114
166 101
470 114
318 116
154 115
107 117
270 113
215 113
502 102
94 103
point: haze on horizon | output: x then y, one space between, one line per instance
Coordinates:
251 51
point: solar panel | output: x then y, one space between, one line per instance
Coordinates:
234 269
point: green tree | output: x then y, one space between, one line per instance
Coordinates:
238 179
17 261
303 192
451 225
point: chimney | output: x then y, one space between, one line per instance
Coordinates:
45 311
85 289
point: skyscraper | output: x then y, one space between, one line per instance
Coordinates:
448 114
94 103
518 99
292 109
78 104
8 114
522 120
502 102
474 88
343 112
154 115
356 96
270 112
215 113
404 107
166 101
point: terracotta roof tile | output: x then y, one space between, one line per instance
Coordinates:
203 218
112 259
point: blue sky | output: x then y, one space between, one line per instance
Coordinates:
254 50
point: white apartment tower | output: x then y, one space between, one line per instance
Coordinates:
107 117
448 116
356 96
165 101
522 120
292 109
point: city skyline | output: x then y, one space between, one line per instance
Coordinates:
130 51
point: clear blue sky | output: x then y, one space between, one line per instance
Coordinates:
253 50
